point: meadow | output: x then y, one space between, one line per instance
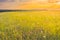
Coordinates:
30 25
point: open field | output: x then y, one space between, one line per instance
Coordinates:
30 25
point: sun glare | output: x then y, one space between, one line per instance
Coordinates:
43 0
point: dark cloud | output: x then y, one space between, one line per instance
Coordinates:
7 0
3 0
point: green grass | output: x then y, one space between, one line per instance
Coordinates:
30 25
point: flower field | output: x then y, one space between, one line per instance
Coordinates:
30 25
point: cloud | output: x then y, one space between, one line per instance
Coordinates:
2 0
24 4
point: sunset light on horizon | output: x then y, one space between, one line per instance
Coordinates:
29 19
29 4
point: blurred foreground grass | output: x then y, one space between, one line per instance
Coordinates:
30 25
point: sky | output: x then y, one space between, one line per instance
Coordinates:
28 4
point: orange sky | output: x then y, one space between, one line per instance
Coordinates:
32 4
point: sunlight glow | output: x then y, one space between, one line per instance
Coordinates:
43 0
58 3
